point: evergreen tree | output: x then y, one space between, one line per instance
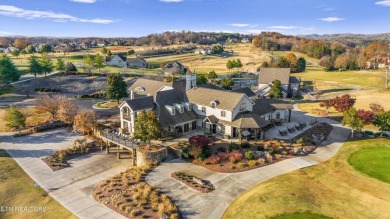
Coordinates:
229 65
109 53
276 90
116 87
8 70
301 65
46 63
35 66
70 68
60 65
382 121
212 75
15 119
201 79
88 60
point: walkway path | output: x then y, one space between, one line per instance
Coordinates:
229 186
72 187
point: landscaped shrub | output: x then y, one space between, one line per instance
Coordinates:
278 156
245 144
260 148
233 146
369 132
261 161
207 151
198 143
232 167
215 159
235 156
252 163
249 155
202 156
241 165
269 158
185 152
223 155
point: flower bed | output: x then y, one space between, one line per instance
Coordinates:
59 159
128 194
194 182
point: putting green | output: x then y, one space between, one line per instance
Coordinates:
375 162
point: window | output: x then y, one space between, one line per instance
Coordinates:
277 115
203 109
213 105
223 113
242 107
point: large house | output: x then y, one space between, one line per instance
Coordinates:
181 107
174 68
122 61
65 47
290 84
205 51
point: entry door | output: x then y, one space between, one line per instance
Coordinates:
234 132
214 129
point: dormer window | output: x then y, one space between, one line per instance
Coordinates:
140 89
223 113
179 107
171 109
188 106
214 103
243 107
203 109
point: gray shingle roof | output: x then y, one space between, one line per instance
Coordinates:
264 106
294 80
268 75
141 103
150 86
245 90
203 96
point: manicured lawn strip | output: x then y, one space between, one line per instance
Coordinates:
375 162
301 215
17 189
357 78
333 188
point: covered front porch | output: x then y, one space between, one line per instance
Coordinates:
246 126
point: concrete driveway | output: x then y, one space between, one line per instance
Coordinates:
72 187
229 186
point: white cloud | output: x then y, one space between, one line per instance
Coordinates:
12 11
331 19
171 1
284 27
84 1
239 25
256 31
385 3
5 33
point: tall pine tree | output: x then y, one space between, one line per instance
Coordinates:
116 87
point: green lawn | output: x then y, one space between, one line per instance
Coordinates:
374 162
362 79
334 189
17 189
301 215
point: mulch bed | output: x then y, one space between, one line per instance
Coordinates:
128 194
227 167
194 182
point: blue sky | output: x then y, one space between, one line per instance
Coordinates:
126 18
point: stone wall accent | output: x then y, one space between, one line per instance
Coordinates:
153 154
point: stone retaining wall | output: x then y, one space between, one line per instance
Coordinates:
151 155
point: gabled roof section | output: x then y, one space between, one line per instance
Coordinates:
140 103
245 90
149 86
268 75
203 96
294 80
264 106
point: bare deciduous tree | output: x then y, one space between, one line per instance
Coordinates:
67 112
79 87
50 104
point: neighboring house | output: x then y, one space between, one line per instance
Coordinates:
290 85
85 45
65 47
205 51
10 49
273 110
245 40
116 60
181 107
174 68
101 43
137 62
